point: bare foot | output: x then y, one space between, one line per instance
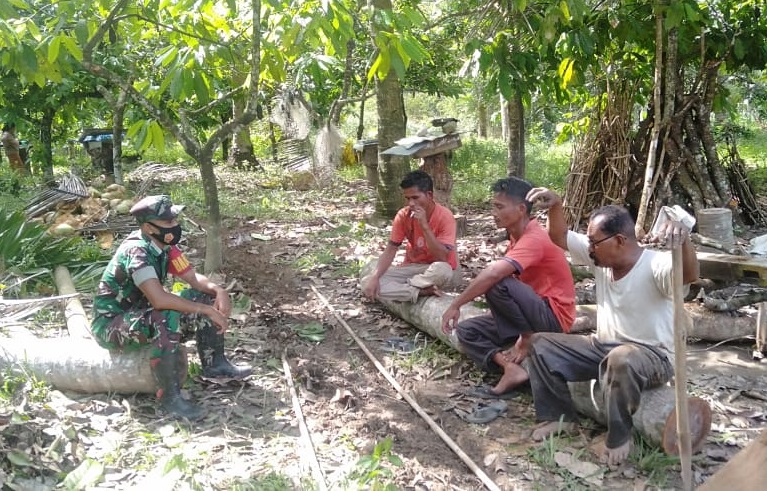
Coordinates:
513 376
613 457
543 430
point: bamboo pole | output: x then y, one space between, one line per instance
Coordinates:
489 484
680 369
319 477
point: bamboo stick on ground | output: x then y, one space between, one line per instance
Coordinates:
319 477
489 484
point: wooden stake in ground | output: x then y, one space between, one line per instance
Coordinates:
489 484
761 331
680 369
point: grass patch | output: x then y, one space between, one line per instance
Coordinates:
653 461
479 163
269 482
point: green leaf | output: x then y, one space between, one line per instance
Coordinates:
395 460
399 66
87 474
72 48
201 88
53 49
565 71
157 136
19 458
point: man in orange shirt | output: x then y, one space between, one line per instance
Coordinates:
430 254
529 290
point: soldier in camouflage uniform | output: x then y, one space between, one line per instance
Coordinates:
132 308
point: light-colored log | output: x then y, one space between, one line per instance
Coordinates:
747 471
655 418
78 324
80 365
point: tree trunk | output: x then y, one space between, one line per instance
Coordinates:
391 127
482 120
516 137
117 135
46 140
241 155
214 257
80 365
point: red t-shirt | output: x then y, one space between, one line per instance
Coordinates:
179 264
441 222
542 264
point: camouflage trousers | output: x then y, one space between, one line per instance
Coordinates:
162 329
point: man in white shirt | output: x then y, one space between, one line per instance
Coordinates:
633 348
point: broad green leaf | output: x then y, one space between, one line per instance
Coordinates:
53 49
88 473
158 138
738 49
201 88
398 64
176 84
167 56
565 11
134 128
504 84
72 48
520 4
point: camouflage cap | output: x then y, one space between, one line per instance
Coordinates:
158 207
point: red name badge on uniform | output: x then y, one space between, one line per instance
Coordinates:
179 264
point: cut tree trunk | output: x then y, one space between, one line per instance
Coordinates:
655 418
80 365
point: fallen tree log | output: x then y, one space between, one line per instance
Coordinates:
80 365
655 419
706 325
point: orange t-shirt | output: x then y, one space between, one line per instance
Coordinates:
542 264
441 222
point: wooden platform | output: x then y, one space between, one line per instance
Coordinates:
724 267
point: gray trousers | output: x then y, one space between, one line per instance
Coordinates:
623 370
395 283
515 308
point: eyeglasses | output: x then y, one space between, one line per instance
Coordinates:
594 244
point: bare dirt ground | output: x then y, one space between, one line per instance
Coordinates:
251 437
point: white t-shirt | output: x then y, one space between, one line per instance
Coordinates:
637 308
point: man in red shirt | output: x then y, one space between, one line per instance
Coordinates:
529 290
430 254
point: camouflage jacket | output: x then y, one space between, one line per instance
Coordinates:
118 291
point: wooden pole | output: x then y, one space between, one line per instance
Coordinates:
319 478
761 330
680 370
78 324
489 484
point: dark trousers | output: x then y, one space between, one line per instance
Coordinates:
624 370
515 309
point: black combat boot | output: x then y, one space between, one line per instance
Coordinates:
166 373
210 346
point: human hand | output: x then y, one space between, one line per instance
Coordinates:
519 351
673 234
372 289
221 321
543 198
222 303
450 319
419 213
